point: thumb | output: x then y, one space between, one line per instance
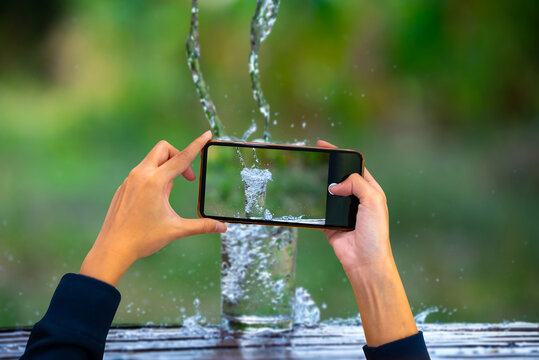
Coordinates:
190 227
354 185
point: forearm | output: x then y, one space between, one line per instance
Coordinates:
385 312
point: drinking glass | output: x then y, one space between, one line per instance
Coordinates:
258 277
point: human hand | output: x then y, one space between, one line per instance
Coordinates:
140 220
365 254
368 244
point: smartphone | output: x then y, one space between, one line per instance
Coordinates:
282 185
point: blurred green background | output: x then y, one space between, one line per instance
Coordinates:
440 96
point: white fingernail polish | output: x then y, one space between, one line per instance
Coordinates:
330 185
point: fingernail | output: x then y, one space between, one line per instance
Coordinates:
330 186
207 134
220 227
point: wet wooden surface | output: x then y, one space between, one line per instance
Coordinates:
445 341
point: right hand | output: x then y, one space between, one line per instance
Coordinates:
368 244
365 254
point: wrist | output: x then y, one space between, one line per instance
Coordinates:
385 312
105 265
372 271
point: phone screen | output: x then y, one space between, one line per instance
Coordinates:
274 184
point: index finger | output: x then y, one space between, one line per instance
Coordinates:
325 144
370 179
180 162
366 174
160 153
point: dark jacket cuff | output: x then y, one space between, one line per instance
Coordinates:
84 305
410 348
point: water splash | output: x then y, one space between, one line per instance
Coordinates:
263 20
306 313
422 316
192 46
195 324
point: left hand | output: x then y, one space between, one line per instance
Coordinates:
140 220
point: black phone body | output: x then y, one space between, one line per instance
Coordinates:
278 185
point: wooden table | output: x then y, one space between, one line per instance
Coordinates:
445 341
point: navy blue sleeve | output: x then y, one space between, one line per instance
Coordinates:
410 348
77 321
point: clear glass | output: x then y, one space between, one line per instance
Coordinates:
258 277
